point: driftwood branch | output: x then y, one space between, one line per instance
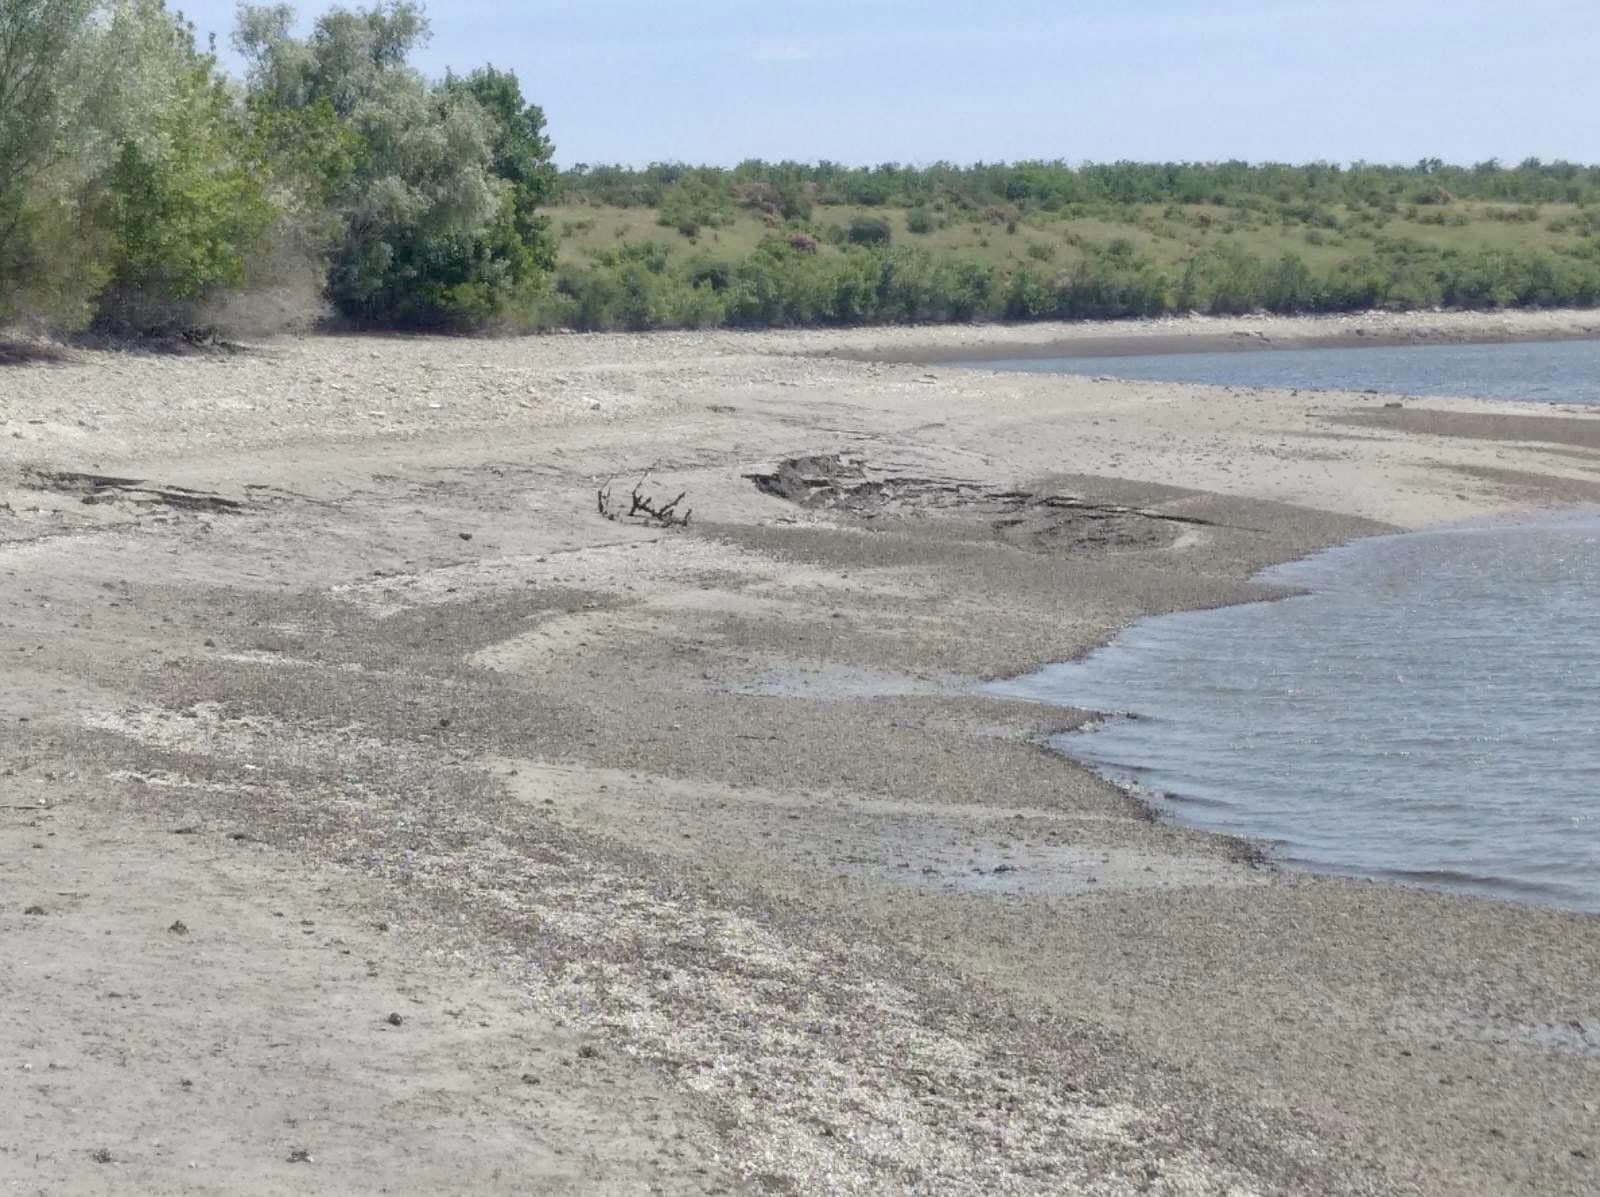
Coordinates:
643 507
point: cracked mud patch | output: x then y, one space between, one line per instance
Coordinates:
1032 520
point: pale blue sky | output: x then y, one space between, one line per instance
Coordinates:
868 81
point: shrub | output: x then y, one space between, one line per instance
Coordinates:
1028 297
920 221
774 200
706 272
1288 286
968 289
869 230
1526 214
761 197
1432 195
694 204
1224 280
1110 283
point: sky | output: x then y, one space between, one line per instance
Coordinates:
870 81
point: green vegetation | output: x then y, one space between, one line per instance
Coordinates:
830 244
141 189
126 180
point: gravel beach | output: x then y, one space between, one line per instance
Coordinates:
386 808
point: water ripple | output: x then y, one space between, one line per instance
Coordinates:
1555 372
1428 712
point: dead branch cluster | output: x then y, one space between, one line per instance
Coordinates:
641 506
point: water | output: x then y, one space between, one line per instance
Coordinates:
1430 711
1554 371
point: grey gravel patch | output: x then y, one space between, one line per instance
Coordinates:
823 681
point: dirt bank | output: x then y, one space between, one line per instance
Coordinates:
1210 334
688 858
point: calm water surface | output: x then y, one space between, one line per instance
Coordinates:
1429 711
1552 371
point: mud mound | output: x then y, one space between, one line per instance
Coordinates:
1042 522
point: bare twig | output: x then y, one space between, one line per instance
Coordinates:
642 506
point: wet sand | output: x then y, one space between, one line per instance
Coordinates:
1229 334
690 858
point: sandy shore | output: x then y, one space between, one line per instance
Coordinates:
689 860
1207 334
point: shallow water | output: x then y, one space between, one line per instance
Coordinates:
1430 711
1550 371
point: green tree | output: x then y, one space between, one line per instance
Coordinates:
185 195
437 220
522 152
40 78
123 164
48 239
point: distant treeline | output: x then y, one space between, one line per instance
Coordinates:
143 190
1052 186
642 286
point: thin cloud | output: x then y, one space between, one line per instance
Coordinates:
785 51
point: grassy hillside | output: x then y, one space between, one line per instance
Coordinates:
785 244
